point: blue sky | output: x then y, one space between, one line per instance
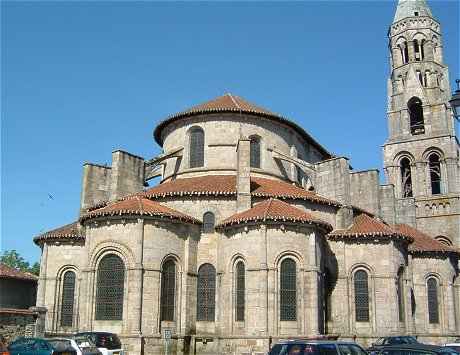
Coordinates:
81 79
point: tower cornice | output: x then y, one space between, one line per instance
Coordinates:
414 23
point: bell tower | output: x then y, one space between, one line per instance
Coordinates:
421 154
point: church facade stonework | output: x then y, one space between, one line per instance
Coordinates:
257 233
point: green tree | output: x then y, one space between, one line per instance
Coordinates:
13 259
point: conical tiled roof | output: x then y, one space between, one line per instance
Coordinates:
229 103
138 206
366 226
275 211
423 242
70 232
408 8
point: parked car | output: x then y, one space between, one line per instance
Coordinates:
316 347
82 345
455 346
38 346
393 340
416 349
107 343
3 347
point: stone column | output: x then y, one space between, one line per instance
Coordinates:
312 313
419 180
135 291
243 182
452 179
449 309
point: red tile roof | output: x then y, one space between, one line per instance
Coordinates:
67 232
141 207
276 211
229 103
367 226
7 272
423 242
225 185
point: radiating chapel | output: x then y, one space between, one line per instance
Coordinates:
256 232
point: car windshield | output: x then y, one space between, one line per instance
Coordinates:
303 349
402 340
84 341
60 344
105 340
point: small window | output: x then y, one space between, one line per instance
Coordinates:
288 290
406 179
361 296
208 222
206 293
168 290
434 165
68 294
255 152
433 306
196 157
240 291
416 13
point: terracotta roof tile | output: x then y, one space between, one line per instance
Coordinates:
276 211
367 226
67 232
11 273
141 207
423 242
232 103
225 185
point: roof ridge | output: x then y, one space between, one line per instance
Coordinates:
268 207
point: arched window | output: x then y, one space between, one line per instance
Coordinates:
406 179
433 306
400 293
434 165
196 158
68 294
110 288
288 290
240 286
417 50
361 285
206 293
168 290
417 124
444 240
255 152
208 222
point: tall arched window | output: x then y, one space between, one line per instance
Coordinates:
400 293
255 152
208 222
433 305
406 178
288 290
206 293
361 285
68 295
434 165
417 124
110 288
168 290
240 286
196 158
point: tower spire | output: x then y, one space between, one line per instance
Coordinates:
411 8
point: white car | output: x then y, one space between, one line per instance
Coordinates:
81 344
107 343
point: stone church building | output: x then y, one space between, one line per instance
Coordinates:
256 232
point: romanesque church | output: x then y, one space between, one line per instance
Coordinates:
256 232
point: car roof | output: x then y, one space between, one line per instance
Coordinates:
415 347
312 341
96 333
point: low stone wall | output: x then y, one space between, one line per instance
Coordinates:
15 323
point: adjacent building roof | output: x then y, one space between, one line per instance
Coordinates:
138 206
67 232
225 185
408 8
423 242
7 272
367 226
275 211
230 103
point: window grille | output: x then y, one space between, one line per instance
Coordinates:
208 222
361 296
68 294
288 291
206 293
435 173
110 288
400 293
196 148
240 290
433 307
168 290
406 178
255 152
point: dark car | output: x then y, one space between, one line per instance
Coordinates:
38 346
416 349
316 347
388 341
107 343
